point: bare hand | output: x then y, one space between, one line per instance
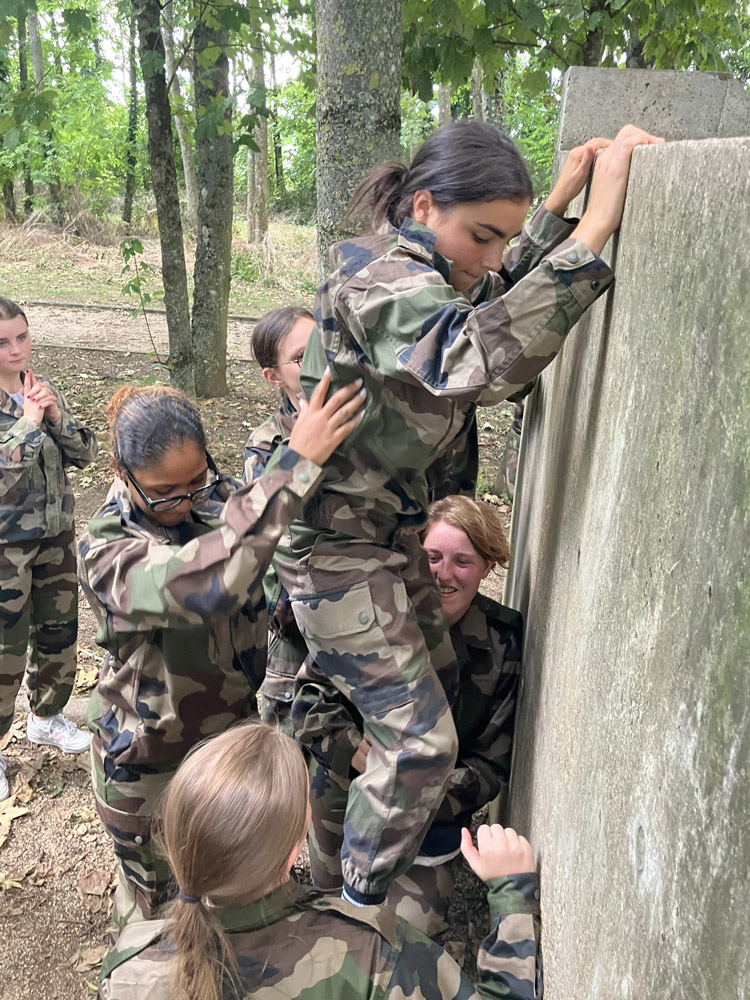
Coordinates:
359 760
500 852
607 201
321 426
42 395
32 410
574 175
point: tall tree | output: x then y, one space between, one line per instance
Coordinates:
213 102
164 183
257 223
132 136
358 103
37 65
183 127
23 77
444 103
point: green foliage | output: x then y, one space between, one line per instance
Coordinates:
294 108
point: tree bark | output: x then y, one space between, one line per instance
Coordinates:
444 103
278 157
593 46
494 102
476 93
260 159
164 183
183 131
37 65
358 103
23 73
9 201
130 141
213 254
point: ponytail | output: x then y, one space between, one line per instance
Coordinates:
465 161
229 822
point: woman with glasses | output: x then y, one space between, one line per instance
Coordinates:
172 567
279 341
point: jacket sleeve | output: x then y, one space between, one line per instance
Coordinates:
77 443
508 963
430 333
483 766
323 721
541 234
145 585
27 436
259 447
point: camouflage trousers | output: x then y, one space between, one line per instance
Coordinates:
38 619
512 445
126 801
421 895
372 621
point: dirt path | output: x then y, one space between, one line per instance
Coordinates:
57 870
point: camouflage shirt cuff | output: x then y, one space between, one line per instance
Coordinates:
581 270
548 230
513 894
25 432
303 475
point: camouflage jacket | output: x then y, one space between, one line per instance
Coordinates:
181 612
487 642
429 354
36 500
297 943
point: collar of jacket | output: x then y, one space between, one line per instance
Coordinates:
8 404
420 240
277 905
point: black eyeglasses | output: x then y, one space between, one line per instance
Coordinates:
169 503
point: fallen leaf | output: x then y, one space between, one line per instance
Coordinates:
8 812
91 958
95 882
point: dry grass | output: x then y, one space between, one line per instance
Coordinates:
81 264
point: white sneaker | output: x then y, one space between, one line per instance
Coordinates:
4 787
57 732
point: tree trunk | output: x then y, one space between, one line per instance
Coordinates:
494 102
23 74
130 141
9 201
37 65
213 254
278 158
260 159
250 197
183 130
444 103
634 55
476 93
164 183
358 103
593 46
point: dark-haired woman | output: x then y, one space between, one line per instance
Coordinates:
172 566
278 342
437 318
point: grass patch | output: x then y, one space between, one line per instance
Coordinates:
39 264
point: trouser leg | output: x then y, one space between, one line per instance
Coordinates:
54 625
15 616
329 795
362 631
125 802
422 897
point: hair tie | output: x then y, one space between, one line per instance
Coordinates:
188 899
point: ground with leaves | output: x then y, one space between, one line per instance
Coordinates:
57 870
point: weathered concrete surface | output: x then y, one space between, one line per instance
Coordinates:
631 539
666 102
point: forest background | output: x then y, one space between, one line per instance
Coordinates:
230 129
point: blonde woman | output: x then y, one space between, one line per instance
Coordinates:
233 819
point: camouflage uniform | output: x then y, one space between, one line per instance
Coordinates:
38 586
428 356
296 944
487 642
182 616
286 647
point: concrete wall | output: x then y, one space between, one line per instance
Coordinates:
631 770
